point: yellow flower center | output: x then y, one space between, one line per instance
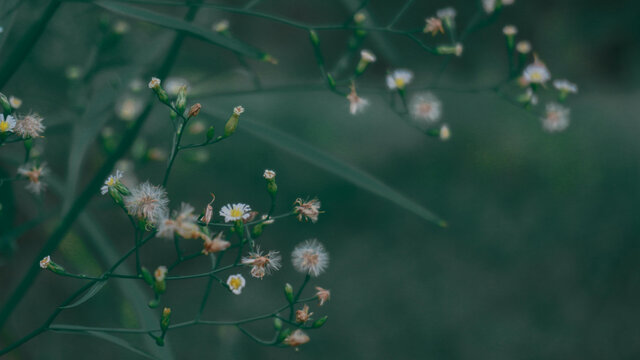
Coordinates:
111 181
399 83
236 213
4 126
536 76
235 283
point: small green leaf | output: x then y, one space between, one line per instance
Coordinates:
88 295
181 25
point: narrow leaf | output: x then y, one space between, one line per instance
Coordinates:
88 295
336 166
180 25
120 342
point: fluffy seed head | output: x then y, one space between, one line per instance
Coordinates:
262 264
30 126
307 210
556 118
310 257
296 338
148 202
426 108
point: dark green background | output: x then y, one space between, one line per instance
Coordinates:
541 256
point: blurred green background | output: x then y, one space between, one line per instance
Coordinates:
541 256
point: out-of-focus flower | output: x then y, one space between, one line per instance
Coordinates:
523 47
34 174
565 86
221 26
217 244
556 118
128 108
356 103
173 85
7 124
536 73
15 102
44 263
398 79
160 273
433 25
296 338
426 107
183 224
323 295
445 133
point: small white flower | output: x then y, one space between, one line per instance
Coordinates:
221 26
111 181
30 126
310 257
15 102
121 27
238 110
398 79
160 273
44 263
129 108
269 174
367 55
445 133
426 106
235 212
536 73
147 202
236 283
523 47
565 86
489 6
510 30
173 85
557 118
531 97
154 83
296 338
447 14
7 124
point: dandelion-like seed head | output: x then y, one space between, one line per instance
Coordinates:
565 86
426 107
433 25
34 173
398 79
269 174
556 118
111 181
368 56
236 283
233 212
154 83
216 245
7 124
307 210
262 264
30 126
296 338
303 315
310 257
15 102
44 263
147 202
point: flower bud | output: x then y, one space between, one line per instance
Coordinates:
146 276
313 36
210 133
153 303
166 317
115 195
232 124
194 110
288 292
450 49
6 106
181 101
366 57
318 323
277 323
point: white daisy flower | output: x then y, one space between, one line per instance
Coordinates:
147 202
556 118
111 181
510 30
44 263
536 73
236 283
426 107
398 79
310 257
233 212
7 124
565 86
30 126
154 83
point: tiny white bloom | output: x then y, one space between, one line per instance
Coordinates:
310 257
160 273
234 212
155 82
489 6
15 102
236 283
173 85
269 174
7 124
510 30
367 56
356 103
398 79
34 174
426 107
536 73
565 86
556 118
44 263
111 181
447 13
523 47
129 108
238 110
445 133
221 26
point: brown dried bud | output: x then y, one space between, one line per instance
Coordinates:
194 110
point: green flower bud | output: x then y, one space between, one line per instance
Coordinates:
153 303
210 133
146 276
232 124
115 195
166 318
313 36
277 323
318 323
288 292
181 101
160 287
6 106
